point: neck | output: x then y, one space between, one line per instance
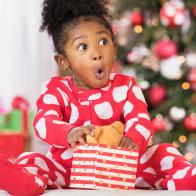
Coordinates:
80 84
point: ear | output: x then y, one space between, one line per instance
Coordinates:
61 61
115 48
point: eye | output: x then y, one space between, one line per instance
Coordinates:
82 47
103 41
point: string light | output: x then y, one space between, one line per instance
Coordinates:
138 29
176 144
183 139
186 86
189 156
181 59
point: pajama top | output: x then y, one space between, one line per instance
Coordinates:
62 106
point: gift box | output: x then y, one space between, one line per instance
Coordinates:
14 137
103 167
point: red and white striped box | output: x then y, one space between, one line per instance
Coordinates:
103 167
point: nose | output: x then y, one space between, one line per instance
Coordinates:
96 55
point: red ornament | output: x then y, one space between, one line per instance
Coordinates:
192 78
159 123
157 94
193 10
190 122
136 18
172 14
165 48
20 103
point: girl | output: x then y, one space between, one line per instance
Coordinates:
70 107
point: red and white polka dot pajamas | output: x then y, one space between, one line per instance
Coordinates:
62 107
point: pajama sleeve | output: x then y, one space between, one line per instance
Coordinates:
138 126
49 122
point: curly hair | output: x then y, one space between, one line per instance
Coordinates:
59 16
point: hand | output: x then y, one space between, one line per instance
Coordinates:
78 134
128 143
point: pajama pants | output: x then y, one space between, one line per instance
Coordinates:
160 167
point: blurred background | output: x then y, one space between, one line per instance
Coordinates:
156 44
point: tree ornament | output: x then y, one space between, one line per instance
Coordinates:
190 122
192 78
137 54
191 59
171 68
172 13
159 123
193 10
136 18
165 48
152 62
157 94
177 113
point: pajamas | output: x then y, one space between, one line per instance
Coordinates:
62 106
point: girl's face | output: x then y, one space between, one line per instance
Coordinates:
90 53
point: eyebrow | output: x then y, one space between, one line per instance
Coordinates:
79 37
84 36
102 32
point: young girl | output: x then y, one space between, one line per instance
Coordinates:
70 107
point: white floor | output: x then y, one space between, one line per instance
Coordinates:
118 193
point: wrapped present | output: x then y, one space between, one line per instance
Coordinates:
14 137
103 167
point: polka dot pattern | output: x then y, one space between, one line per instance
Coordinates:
173 150
41 163
141 182
51 112
32 170
41 128
67 154
39 181
104 110
58 122
150 170
130 123
107 88
94 97
50 99
171 185
148 154
143 115
60 180
119 93
166 163
143 131
74 114
138 93
128 107
64 97
181 173
87 123
193 172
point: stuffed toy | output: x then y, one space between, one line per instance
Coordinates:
109 135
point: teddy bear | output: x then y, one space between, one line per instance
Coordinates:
109 135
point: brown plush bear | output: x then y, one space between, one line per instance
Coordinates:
109 135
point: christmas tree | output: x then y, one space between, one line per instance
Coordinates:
157 43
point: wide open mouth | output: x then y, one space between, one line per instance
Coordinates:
100 72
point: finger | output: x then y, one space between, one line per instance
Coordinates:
133 146
91 127
81 140
122 143
127 144
85 131
73 144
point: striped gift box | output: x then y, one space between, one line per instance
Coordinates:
103 167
